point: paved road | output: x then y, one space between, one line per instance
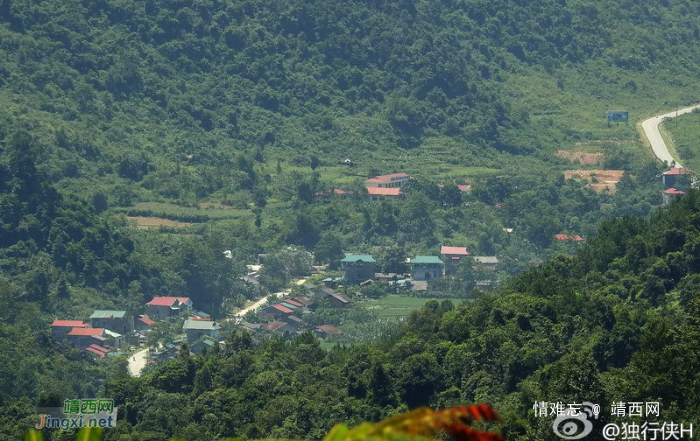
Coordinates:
651 130
138 362
257 305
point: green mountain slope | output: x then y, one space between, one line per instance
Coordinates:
124 91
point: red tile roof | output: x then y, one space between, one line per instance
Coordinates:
167 301
460 251
576 238
388 178
98 348
146 320
95 351
292 302
375 191
464 187
678 171
282 309
86 331
71 323
673 191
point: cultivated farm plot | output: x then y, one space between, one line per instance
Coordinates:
145 222
396 306
182 214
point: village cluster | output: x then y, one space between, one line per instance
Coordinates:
108 331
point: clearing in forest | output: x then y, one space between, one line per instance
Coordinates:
600 180
582 158
146 222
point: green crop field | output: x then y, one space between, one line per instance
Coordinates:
397 306
182 213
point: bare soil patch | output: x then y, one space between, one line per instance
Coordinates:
582 158
599 180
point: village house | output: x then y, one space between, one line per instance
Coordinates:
324 331
196 329
452 256
252 327
114 339
282 327
563 237
395 180
427 267
162 308
84 337
116 321
294 321
97 351
676 176
337 300
386 187
383 194
275 311
205 344
60 328
358 268
485 263
670 194
143 323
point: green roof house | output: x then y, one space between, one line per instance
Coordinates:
196 329
358 268
115 321
427 267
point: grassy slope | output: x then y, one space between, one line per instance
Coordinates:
686 135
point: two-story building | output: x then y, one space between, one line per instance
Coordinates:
358 268
677 177
84 337
427 268
165 307
196 329
452 256
386 187
61 328
116 321
395 180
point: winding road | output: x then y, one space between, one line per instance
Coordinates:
651 130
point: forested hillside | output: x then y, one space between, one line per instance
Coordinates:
120 93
